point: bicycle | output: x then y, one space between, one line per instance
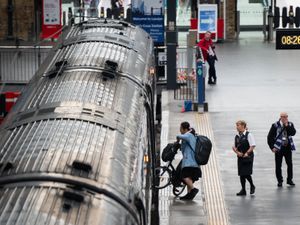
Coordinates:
167 175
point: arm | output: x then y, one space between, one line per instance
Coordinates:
290 129
184 137
271 136
249 151
202 45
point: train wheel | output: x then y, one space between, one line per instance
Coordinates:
177 190
164 177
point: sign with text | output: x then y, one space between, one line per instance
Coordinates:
51 18
288 38
148 14
207 18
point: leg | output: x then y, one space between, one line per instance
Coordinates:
289 163
189 183
243 184
278 163
192 192
252 187
212 70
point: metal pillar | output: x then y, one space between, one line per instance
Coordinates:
171 42
238 24
270 25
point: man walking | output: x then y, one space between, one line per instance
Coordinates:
281 143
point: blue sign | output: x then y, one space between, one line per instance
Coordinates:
201 84
207 17
207 20
154 25
148 14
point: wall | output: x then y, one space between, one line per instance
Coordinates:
23 19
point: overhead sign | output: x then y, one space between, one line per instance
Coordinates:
287 38
51 18
149 15
208 18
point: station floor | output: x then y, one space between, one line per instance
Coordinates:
255 83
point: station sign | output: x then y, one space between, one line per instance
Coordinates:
149 15
287 38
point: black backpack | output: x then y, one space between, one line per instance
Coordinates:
169 152
202 149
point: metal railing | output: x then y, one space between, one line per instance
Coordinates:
18 65
187 85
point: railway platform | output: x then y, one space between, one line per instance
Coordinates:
255 83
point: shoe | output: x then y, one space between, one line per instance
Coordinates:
290 182
193 192
210 82
252 190
241 193
279 184
186 197
191 195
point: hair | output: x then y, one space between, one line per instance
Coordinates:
186 126
208 32
241 122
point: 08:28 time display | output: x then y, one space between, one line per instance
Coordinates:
290 40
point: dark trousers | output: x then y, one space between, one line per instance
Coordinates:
287 154
212 70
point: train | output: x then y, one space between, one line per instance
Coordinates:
78 147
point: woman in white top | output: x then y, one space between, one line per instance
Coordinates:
244 145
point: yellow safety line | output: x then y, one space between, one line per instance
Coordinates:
213 191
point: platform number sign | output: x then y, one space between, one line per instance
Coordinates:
288 39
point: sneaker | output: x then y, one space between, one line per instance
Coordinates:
290 182
241 193
252 190
279 184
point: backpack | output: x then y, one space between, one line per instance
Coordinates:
202 149
169 152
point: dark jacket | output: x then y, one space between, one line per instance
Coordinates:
291 131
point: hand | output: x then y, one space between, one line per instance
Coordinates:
245 155
239 154
274 150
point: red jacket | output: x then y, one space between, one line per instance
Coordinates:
204 45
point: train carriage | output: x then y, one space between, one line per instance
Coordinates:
78 146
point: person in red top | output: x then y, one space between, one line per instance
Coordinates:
209 55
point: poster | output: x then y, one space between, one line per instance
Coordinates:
51 12
208 18
51 26
149 15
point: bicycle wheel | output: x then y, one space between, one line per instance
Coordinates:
164 177
177 190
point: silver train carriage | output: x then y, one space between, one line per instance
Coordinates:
78 146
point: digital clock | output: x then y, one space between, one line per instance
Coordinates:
288 38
